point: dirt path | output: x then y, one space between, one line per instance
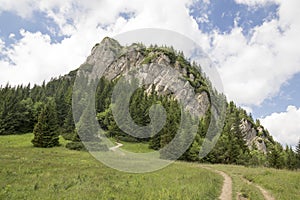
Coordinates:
264 192
115 147
227 185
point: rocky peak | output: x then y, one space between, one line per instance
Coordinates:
155 66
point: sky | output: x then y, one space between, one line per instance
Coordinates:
254 43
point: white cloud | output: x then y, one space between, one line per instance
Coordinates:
23 8
256 2
248 109
11 36
2 45
253 69
34 58
284 126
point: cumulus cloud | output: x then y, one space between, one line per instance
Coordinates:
34 58
254 67
284 126
23 8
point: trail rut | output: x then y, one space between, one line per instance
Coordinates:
226 193
264 192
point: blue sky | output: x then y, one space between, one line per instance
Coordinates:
222 15
254 42
10 23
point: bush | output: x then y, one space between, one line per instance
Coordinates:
92 146
78 146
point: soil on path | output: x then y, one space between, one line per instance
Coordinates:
227 185
116 147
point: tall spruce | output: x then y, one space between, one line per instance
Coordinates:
298 149
46 130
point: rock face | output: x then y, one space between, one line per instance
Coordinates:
102 55
251 136
112 60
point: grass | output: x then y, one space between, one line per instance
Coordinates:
59 173
282 184
136 147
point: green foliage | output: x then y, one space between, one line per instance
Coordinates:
68 129
78 146
257 159
86 128
149 59
16 110
290 158
45 131
275 157
231 147
298 154
298 149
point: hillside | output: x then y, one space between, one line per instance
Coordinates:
176 82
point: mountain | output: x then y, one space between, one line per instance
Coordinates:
163 76
172 75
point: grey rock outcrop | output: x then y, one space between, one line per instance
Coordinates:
111 60
251 136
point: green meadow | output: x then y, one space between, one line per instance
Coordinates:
59 173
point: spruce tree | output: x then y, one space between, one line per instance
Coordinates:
290 159
275 158
298 150
87 129
45 131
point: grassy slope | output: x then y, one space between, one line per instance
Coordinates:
134 146
58 173
282 184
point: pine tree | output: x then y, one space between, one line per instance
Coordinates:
45 131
